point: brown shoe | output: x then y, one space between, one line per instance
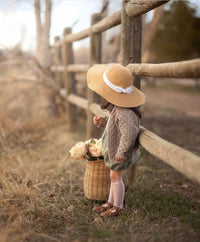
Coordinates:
104 207
114 211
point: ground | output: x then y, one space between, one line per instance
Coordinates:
41 186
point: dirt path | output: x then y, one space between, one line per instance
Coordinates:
174 113
171 98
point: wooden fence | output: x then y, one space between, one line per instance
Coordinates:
64 68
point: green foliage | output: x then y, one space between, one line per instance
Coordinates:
177 37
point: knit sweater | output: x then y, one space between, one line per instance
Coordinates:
123 128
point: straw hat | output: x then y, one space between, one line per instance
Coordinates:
114 82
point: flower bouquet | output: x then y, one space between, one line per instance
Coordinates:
96 177
89 150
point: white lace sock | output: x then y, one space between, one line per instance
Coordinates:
118 193
111 195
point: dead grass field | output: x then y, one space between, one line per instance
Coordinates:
42 198
41 187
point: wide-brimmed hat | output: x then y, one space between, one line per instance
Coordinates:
114 83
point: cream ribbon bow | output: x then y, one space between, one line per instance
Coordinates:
116 88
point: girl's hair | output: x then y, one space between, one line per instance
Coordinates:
104 104
137 112
109 106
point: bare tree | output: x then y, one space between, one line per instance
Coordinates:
104 9
38 27
149 32
43 32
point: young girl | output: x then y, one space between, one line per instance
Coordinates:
120 147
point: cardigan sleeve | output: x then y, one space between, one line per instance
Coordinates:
104 122
129 127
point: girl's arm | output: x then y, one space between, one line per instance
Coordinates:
100 121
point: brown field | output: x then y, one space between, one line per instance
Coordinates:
41 187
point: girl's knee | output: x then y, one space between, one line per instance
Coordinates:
115 175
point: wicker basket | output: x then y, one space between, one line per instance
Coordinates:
96 180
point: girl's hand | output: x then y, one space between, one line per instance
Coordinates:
97 120
119 159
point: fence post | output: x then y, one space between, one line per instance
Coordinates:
131 32
68 58
125 36
137 46
57 61
95 57
58 74
136 49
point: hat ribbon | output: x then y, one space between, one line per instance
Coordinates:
116 88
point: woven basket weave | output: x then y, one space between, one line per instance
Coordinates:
96 180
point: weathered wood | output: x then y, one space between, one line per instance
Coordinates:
125 36
78 101
180 159
55 68
135 57
58 75
136 8
137 46
181 69
68 78
131 40
46 35
132 175
107 23
95 57
38 28
78 36
99 27
70 68
95 41
96 110
126 39
78 68
57 62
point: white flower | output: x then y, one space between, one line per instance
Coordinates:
79 150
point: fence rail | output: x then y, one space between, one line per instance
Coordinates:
130 19
181 69
175 156
70 68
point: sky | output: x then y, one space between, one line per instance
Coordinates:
17 19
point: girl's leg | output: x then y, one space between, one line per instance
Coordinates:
115 175
118 188
116 195
111 195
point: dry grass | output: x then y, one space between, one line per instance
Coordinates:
41 187
32 183
42 198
